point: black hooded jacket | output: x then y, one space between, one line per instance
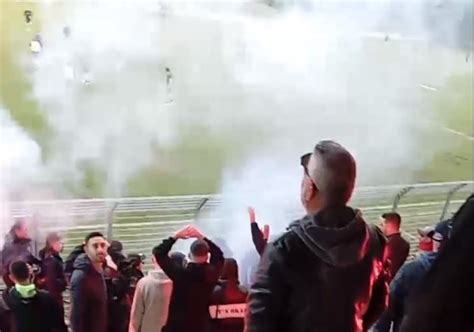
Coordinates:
88 298
228 307
52 274
69 262
38 313
326 274
192 289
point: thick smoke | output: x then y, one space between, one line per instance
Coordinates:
125 80
20 162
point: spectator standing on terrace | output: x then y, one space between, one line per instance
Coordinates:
444 298
17 247
402 287
71 258
52 276
88 289
152 297
397 247
30 309
228 302
327 272
193 284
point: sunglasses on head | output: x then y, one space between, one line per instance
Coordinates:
304 162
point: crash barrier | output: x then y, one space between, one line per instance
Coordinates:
140 223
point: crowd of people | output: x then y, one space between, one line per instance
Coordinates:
330 271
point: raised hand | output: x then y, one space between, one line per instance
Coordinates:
184 233
188 232
266 232
196 233
251 214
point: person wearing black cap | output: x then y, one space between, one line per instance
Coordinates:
52 276
193 284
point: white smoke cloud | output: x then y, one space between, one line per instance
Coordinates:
283 77
20 160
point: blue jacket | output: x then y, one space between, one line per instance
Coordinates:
88 298
401 289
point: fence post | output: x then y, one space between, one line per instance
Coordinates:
200 206
448 199
110 221
399 196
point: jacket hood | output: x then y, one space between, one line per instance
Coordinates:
427 259
338 237
13 299
158 275
12 238
82 262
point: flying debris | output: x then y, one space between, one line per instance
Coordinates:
387 38
169 82
36 45
28 16
427 87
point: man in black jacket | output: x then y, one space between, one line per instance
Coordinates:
88 289
397 247
52 276
327 272
193 284
71 258
30 310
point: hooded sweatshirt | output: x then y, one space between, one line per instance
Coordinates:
151 303
327 273
88 297
32 310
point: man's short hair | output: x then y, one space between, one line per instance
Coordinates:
92 235
20 271
199 248
392 218
178 258
335 172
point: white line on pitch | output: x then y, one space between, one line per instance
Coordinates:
455 132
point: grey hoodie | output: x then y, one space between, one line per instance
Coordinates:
151 303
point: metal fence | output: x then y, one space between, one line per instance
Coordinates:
140 223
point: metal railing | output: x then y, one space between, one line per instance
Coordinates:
140 223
